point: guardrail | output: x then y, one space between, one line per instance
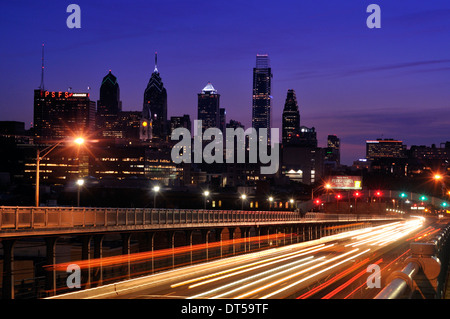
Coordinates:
51 217
423 272
19 218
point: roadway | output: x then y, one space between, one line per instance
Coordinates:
330 267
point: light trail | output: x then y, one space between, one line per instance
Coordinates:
316 273
257 275
293 275
263 263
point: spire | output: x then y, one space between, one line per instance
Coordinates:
156 62
41 87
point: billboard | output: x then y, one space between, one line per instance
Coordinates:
345 182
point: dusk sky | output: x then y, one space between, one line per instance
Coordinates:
352 81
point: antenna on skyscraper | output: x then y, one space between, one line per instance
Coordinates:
41 87
156 62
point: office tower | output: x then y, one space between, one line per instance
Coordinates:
155 104
308 137
222 120
208 107
382 148
108 108
109 102
235 124
62 114
261 98
291 119
180 121
334 149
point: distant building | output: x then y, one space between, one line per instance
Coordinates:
308 137
180 121
109 102
333 149
302 164
385 148
155 104
261 95
60 115
291 119
209 107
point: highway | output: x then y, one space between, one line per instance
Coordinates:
330 267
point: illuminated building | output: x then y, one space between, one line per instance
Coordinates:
108 107
109 102
302 164
291 118
155 104
384 148
333 149
261 96
62 114
208 107
180 121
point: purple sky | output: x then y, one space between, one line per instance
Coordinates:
355 82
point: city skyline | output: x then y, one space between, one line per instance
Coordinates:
350 81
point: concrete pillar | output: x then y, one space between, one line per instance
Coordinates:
98 254
50 275
86 255
232 235
8 269
189 242
126 251
205 235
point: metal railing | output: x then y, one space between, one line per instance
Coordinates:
424 262
54 217
19 218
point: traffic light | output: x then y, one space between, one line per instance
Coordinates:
317 202
403 195
423 198
357 194
338 196
444 204
378 193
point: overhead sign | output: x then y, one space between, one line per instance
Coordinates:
346 182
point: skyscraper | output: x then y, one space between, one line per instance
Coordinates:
108 107
109 102
62 114
155 104
291 118
261 98
208 107
334 149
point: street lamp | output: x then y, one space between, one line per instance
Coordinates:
270 201
79 141
206 194
243 198
156 189
80 183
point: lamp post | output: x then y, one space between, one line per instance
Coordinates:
270 202
156 189
79 141
440 178
205 194
80 183
243 198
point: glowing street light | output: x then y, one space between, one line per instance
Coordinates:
156 189
78 141
206 194
243 198
80 183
